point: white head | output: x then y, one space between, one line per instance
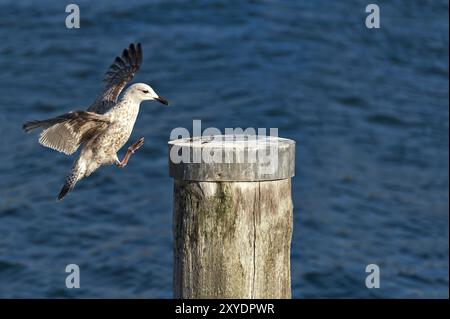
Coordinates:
143 92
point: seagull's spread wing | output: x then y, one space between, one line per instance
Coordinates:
65 133
119 74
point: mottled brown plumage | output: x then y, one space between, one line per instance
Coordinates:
118 75
105 127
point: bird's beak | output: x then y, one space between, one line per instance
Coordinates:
162 100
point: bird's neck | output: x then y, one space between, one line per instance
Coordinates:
129 96
127 108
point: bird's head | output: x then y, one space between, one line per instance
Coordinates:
144 92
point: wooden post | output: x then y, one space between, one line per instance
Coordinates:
232 222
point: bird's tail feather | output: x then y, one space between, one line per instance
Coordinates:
31 125
72 178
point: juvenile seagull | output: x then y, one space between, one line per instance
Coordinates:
107 124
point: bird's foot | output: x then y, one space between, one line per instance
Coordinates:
136 145
131 149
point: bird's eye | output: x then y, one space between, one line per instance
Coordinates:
145 91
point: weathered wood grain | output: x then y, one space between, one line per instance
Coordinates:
232 238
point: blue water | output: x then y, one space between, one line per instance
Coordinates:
367 108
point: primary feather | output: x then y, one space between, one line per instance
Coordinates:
121 71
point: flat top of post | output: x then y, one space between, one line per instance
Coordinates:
232 158
234 141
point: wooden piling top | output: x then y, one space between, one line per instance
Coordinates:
228 158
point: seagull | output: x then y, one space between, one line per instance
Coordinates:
107 124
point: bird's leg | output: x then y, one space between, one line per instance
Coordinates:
134 147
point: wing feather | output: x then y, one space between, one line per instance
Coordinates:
118 75
65 133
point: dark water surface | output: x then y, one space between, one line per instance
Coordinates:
368 109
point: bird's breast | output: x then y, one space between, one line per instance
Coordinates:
123 117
